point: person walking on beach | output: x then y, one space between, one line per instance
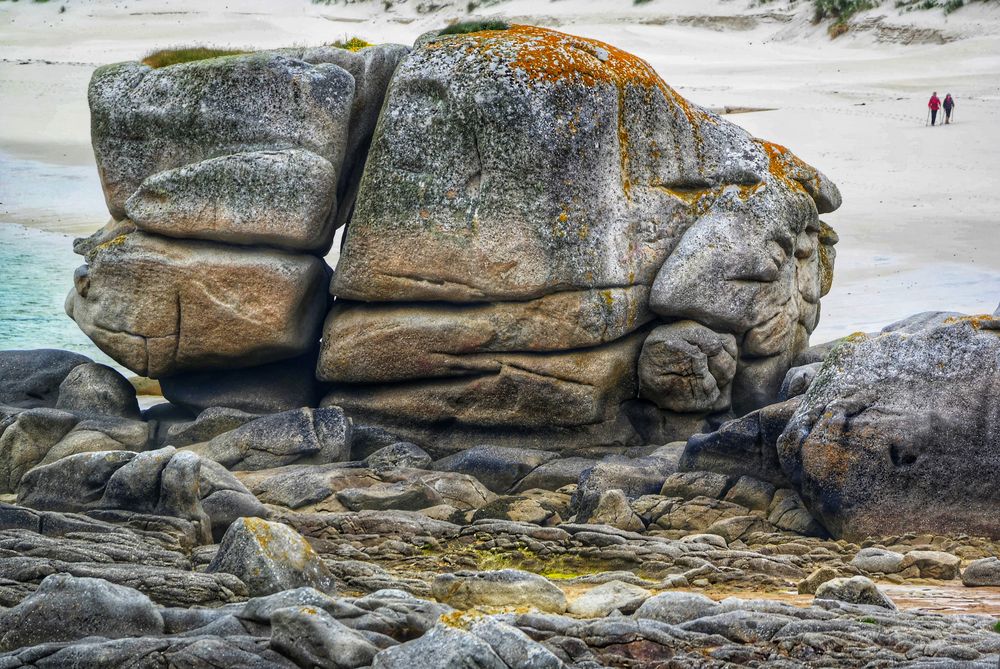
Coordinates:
949 105
934 104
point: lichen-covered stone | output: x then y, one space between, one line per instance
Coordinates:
504 588
145 120
525 192
270 557
274 198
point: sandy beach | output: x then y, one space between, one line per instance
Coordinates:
919 220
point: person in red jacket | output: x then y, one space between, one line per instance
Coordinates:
934 104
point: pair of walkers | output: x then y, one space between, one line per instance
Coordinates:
935 104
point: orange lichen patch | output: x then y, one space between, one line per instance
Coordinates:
461 619
701 199
550 56
689 196
978 321
790 169
745 192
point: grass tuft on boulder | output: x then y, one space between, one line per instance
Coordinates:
352 44
165 57
465 27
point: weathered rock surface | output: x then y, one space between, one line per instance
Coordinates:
165 482
613 509
274 198
745 446
270 557
162 307
314 638
608 598
507 587
878 561
92 388
535 336
500 469
207 622
855 590
897 433
932 564
675 608
984 572
142 123
449 646
303 436
64 608
31 378
262 150
209 423
686 367
395 456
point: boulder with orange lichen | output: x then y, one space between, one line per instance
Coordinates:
532 204
270 557
900 432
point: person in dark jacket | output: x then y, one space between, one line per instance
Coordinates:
934 104
949 105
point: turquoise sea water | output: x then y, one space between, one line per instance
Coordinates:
36 273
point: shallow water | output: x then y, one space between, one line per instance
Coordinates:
926 597
36 273
51 196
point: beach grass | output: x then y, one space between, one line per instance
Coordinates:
465 27
165 57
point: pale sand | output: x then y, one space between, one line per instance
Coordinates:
921 212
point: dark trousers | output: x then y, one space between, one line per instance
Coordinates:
933 116
947 114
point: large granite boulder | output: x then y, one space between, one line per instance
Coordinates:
227 178
162 307
900 432
146 120
533 207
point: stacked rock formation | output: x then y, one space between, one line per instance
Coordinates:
226 179
551 247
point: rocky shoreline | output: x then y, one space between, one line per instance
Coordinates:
562 410
517 557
